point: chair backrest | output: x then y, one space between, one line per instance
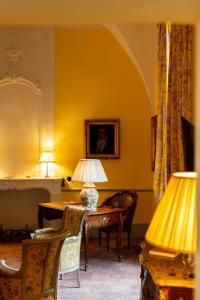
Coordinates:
124 199
73 223
39 268
73 218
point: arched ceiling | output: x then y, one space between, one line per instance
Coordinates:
65 12
105 12
139 41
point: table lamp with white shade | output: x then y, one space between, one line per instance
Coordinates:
46 158
174 224
89 171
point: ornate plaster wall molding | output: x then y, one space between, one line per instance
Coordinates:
13 76
27 110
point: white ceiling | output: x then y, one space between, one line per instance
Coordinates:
83 12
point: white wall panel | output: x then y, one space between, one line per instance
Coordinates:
26 104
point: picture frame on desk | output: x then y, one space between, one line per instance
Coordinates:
161 253
102 138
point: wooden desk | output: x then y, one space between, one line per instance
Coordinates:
164 279
103 217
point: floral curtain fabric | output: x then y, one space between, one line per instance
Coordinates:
175 100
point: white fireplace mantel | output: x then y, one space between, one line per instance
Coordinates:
53 185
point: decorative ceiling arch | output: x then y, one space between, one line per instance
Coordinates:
144 70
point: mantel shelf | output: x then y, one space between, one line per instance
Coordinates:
52 184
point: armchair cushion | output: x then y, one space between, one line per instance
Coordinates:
10 288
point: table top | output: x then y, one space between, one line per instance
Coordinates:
165 271
60 205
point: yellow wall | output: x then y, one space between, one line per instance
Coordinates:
94 78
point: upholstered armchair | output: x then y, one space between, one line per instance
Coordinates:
37 278
72 224
125 199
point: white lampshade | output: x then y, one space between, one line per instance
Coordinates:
46 159
47 156
174 224
89 170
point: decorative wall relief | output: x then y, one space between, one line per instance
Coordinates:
26 115
13 58
13 75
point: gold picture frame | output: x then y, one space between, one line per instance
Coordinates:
102 138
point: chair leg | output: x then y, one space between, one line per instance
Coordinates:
129 239
78 277
99 238
108 236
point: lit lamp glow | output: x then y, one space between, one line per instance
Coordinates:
89 171
174 224
47 157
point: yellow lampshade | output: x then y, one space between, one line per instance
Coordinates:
174 224
47 156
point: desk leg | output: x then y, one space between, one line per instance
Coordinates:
118 236
85 233
40 219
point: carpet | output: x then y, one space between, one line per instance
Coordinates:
106 277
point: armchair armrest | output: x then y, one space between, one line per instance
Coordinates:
6 271
43 232
72 239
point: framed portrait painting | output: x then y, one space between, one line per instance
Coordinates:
102 138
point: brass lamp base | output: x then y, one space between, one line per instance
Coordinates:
189 261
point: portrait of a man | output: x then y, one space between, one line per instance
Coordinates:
102 139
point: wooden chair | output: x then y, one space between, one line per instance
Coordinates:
125 199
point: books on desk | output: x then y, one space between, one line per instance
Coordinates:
163 253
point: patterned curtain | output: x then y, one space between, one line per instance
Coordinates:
175 99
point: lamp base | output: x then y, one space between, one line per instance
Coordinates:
189 261
89 196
